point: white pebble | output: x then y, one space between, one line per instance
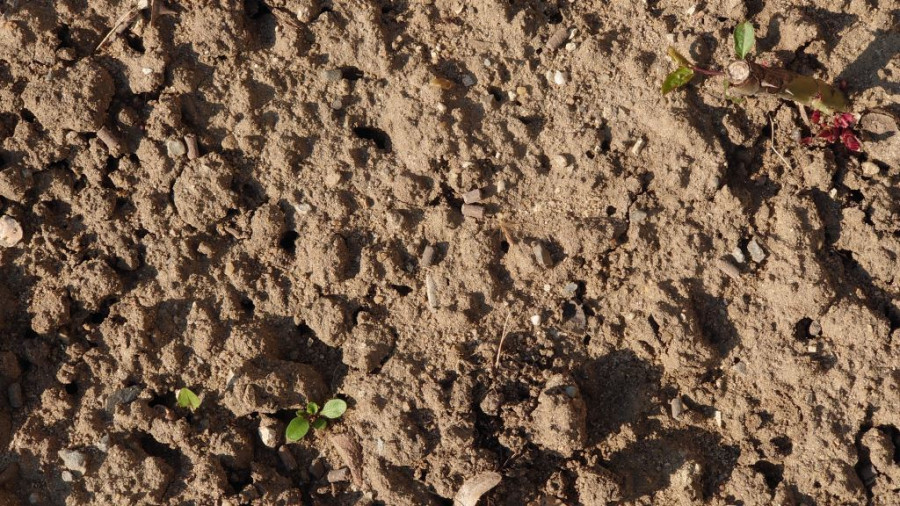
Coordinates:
10 232
756 251
571 46
870 169
147 71
738 255
560 78
175 147
536 320
677 407
718 416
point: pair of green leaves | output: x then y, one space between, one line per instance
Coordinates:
680 76
744 40
313 417
187 399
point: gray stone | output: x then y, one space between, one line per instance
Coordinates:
756 251
15 395
73 460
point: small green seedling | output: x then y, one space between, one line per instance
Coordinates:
313 417
187 399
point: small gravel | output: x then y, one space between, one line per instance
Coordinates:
756 252
10 232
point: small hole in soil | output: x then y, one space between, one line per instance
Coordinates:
135 42
610 210
496 93
351 73
504 246
72 388
589 154
379 137
801 329
783 445
855 196
248 305
255 9
586 340
403 290
288 241
27 115
772 473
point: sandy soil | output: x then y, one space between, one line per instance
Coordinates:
693 308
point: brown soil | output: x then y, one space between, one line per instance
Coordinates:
687 315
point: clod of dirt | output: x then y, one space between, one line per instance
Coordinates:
271 386
367 347
10 232
93 281
597 487
76 98
202 192
476 486
351 453
50 309
325 262
13 184
115 483
881 134
559 421
329 320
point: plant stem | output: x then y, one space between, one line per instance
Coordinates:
749 78
705 72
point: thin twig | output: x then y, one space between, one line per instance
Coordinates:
502 338
128 16
774 136
707 72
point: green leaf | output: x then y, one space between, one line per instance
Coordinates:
319 424
334 408
744 39
677 57
678 78
297 429
187 399
312 408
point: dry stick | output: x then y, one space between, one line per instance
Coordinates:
774 135
126 19
502 338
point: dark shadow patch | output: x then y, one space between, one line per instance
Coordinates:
379 137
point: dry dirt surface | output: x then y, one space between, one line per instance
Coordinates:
278 201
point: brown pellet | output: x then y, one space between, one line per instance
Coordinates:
193 151
473 211
110 139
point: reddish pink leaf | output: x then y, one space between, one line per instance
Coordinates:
850 140
816 117
829 134
806 141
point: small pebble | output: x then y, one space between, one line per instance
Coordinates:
812 348
67 476
338 475
35 498
332 75
718 417
287 459
10 232
570 289
729 268
870 169
317 468
268 432
637 147
110 140
536 320
336 104
103 443
193 150
560 78
472 211
815 329
428 256
559 37
73 460
738 255
571 46
756 251
636 215
15 395
175 148
468 81
472 196
559 161
541 255
677 407
431 292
